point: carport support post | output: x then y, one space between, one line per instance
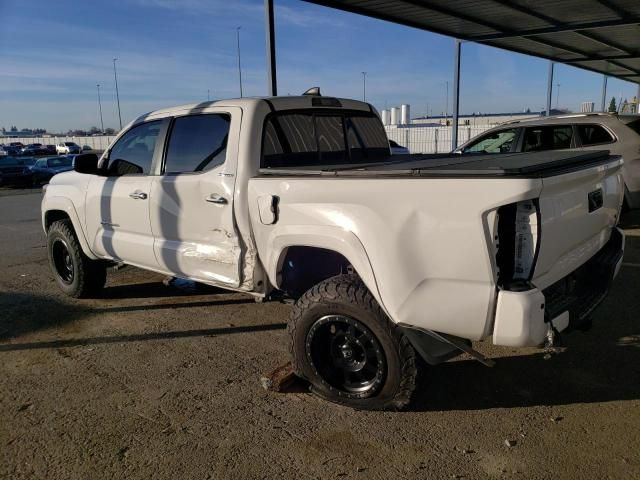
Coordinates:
456 93
269 24
549 87
604 93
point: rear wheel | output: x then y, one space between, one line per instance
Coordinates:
75 273
347 348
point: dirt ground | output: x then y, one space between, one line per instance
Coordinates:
154 382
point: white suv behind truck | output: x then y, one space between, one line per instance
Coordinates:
386 257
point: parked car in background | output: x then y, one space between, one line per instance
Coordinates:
16 144
64 148
51 149
3 152
397 149
34 149
10 151
14 171
45 168
620 134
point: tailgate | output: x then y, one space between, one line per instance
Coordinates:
578 211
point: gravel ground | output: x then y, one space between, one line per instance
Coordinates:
154 382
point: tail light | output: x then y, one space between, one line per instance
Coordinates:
518 243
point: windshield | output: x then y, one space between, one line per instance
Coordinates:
70 144
60 162
323 139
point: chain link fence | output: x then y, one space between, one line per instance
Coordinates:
431 139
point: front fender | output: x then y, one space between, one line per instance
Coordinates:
56 203
332 238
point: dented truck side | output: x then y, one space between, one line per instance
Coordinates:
306 204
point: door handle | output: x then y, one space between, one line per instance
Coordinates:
215 198
138 195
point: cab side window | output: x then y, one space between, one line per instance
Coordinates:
133 153
197 143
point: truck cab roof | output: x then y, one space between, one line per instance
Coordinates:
299 102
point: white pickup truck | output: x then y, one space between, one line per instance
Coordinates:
384 256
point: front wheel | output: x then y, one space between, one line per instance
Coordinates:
347 348
76 274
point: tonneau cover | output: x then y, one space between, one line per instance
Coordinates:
530 164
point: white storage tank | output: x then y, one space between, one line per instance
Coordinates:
395 113
405 114
385 117
587 107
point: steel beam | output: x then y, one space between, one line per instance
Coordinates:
456 93
550 87
493 39
604 94
269 24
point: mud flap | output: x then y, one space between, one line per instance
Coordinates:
437 348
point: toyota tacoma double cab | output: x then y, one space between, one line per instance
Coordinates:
387 258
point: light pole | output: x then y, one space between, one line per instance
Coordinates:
239 65
557 96
446 103
100 109
364 86
208 96
115 76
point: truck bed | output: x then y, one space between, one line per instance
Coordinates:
530 165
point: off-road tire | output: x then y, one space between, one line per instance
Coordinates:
89 276
346 295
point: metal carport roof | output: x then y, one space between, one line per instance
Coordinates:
598 35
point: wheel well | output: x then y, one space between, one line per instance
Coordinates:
300 268
53 216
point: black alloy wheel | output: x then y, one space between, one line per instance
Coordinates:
346 355
63 261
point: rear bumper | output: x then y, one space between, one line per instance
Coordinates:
524 318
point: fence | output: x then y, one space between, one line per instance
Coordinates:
416 139
431 139
96 143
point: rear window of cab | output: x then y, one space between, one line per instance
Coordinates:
326 137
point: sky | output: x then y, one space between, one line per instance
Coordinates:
171 52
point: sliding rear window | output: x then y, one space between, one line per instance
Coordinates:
326 138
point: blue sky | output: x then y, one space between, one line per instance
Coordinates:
52 55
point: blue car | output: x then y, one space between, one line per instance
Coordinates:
45 168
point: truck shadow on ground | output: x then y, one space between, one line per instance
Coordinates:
23 314
605 374
143 337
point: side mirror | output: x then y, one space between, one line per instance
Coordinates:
86 163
